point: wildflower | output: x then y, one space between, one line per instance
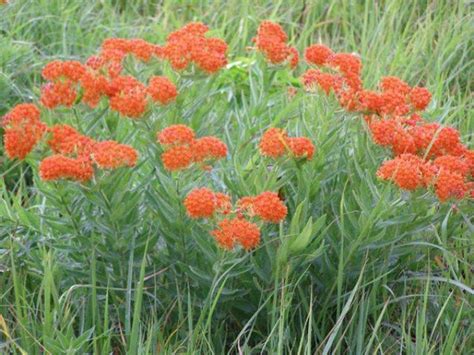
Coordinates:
57 167
271 41
273 143
346 63
452 164
406 171
314 78
436 140
115 49
269 207
161 89
23 130
224 234
200 203
237 231
59 93
190 45
177 158
402 141
317 54
127 96
112 155
383 131
66 140
450 185
394 84
58 70
94 87
420 98
208 148
301 147
176 134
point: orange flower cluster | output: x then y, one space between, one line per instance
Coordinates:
116 49
75 154
342 76
189 45
271 40
182 149
101 77
234 225
426 154
23 130
275 143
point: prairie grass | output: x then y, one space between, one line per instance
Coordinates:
117 267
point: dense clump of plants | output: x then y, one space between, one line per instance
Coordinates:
180 195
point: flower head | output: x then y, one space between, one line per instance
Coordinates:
201 203
66 140
301 147
269 207
208 148
177 158
274 142
176 134
112 155
317 54
23 130
237 231
162 90
58 167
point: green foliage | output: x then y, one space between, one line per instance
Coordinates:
357 267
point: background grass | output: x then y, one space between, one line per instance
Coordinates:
358 267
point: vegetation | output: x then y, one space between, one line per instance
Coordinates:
116 264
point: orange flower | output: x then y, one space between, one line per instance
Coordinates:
115 49
64 70
346 63
176 134
450 185
57 94
271 41
383 131
161 89
269 207
58 167
314 78
177 158
237 230
23 130
66 140
112 155
189 45
394 84
274 142
420 98
301 147
208 148
224 234
201 203
317 54
128 96
452 164
407 171
94 86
